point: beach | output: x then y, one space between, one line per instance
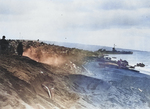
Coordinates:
70 81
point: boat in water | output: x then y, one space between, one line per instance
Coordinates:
114 51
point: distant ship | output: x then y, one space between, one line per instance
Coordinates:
114 51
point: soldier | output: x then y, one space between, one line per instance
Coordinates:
4 44
20 49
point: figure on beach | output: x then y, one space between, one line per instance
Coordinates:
3 44
20 49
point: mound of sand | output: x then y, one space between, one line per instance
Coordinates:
39 79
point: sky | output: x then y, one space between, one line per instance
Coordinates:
125 23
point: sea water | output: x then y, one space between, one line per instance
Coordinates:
136 57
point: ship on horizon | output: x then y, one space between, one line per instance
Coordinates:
114 51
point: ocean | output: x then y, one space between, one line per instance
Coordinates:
113 88
137 57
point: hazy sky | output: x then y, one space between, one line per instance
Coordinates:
125 23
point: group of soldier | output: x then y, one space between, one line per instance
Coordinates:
4 45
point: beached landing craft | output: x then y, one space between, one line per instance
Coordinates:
120 64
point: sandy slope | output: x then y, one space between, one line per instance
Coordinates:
22 83
53 77
40 78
